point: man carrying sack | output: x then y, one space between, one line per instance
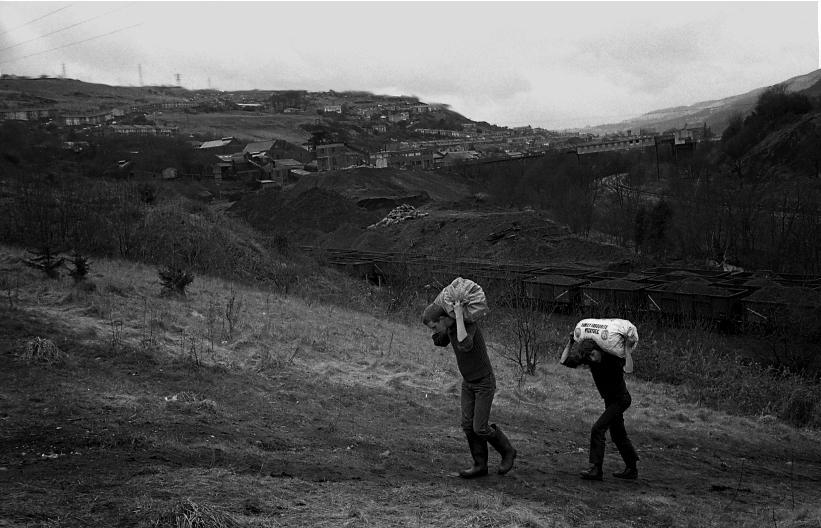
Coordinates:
452 317
606 346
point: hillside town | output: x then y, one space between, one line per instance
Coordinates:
352 129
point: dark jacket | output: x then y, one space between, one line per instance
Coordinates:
608 374
471 354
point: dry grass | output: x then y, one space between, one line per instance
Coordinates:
190 514
244 125
41 350
354 348
360 354
710 372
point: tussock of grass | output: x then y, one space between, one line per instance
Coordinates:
190 514
41 350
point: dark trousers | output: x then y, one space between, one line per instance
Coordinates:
477 397
613 419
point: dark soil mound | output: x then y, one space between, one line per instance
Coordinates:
791 295
304 215
333 210
388 187
694 285
496 236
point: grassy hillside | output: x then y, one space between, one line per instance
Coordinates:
246 126
236 406
716 114
79 95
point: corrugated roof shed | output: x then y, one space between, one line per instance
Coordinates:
216 143
258 146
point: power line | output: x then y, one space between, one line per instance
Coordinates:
69 44
63 29
35 20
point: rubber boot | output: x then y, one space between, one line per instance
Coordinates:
478 450
628 473
592 473
501 444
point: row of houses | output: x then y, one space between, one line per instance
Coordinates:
440 132
398 111
26 115
335 156
615 144
62 116
686 136
163 105
140 130
95 117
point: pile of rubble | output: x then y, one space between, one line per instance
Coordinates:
399 214
789 295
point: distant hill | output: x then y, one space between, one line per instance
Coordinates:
217 115
716 113
80 95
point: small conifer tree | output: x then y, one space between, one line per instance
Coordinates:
46 260
80 267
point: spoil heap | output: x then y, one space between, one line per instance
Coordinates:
694 285
399 214
772 292
303 216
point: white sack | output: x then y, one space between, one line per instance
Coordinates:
615 336
467 293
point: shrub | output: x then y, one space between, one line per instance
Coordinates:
174 279
80 267
802 407
148 193
41 350
528 325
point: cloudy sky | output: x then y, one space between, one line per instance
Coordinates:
550 64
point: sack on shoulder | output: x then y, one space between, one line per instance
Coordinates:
468 294
618 337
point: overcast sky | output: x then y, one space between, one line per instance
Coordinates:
550 64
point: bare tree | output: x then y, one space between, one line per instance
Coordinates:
529 323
